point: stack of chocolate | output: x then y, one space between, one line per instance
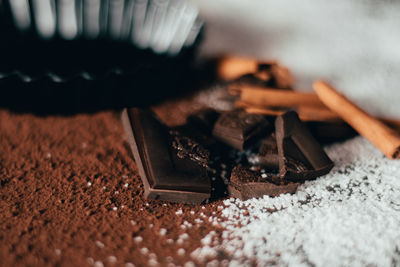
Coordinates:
251 155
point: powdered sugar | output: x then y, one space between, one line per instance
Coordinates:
348 217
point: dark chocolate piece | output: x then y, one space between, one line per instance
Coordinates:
186 147
170 166
246 184
265 66
204 120
329 132
255 79
301 156
268 154
239 129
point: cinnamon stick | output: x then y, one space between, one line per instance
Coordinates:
379 134
230 68
314 113
305 113
274 97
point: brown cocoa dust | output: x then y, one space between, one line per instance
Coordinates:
71 196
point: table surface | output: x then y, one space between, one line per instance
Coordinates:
71 196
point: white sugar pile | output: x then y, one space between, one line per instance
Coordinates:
350 217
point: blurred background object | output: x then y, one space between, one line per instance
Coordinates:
71 56
165 26
353 44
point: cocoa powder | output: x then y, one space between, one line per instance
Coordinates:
71 196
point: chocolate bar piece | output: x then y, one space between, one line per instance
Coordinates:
246 184
203 120
239 129
268 154
171 166
301 157
329 132
262 79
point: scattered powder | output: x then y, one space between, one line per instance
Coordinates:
98 264
57 251
349 217
215 98
129 264
89 184
163 231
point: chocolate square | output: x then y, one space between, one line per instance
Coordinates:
172 167
301 157
268 153
240 129
246 184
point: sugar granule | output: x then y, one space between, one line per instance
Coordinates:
112 259
138 239
179 212
181 252
144 251
99 244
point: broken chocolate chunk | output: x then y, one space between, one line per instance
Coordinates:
204 120
265 66
240 129
263 79
246 184
301 157
186 147
329 132
268 154
170 166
